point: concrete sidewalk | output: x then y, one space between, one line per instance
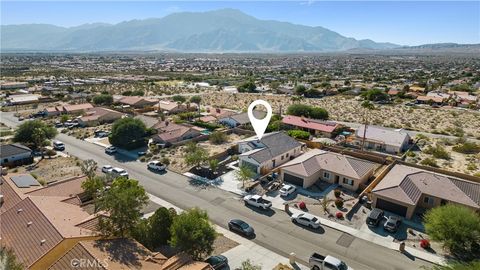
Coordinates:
379 240
246 249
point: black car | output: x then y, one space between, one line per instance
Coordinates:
240 226
392 224
217 262
374 217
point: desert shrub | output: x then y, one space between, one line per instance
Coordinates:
339 203
298 134
437 151
217 137
467 148
337 193
429 162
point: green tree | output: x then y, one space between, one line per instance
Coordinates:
248 86
193 233
89 168
367 106
179 99
93 188
8 261
375 95
195 156
307 111
300 89
64 118
103 99
318 113
457 227
154 231
34 133
217 137
128 133
244 173
123 201
196 99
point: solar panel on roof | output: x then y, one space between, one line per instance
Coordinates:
24 181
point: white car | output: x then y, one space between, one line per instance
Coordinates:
287 190
306 219
156 165
107 168
111 150
119 172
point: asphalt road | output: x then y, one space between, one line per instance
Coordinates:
274 230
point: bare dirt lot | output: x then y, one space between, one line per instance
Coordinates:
49 170
342 108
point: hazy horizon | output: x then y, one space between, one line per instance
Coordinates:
403 23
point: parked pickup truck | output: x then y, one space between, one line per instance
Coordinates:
319 262
257 201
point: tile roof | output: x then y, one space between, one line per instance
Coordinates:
407 184
316 160
383 135
67 188
10 196
133 100
76 253
97 112
310 123
7 150
272 145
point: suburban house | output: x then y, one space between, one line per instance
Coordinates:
98 115
240 119
137 102
273 150
15 154
48 228
315 127
405 190
172 107
171 133
53 111
23 99
213 114
319 165
77 108
382 139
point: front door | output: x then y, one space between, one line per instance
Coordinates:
337 179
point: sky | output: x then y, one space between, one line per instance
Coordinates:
400 22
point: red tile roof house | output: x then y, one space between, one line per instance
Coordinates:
46 228
316 127
171 133
172 107
138 102
405 190
98 115
319 165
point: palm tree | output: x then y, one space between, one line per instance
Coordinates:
368 106
244 173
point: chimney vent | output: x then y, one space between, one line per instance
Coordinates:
19 210
43 241
29 223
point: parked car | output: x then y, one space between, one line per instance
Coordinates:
111 150
217 262
306 219
21 118
101 134
119 172
240 226
392 224
58 145
287 190
156 165
319 262
107 168
374 218
257 201
58 124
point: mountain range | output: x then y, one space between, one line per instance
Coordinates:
225 30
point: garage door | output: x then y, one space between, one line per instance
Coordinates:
292 179
392 207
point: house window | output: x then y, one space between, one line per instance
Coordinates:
348 181
287 155
326 175
281 157
428 200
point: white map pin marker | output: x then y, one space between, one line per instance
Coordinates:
259 125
